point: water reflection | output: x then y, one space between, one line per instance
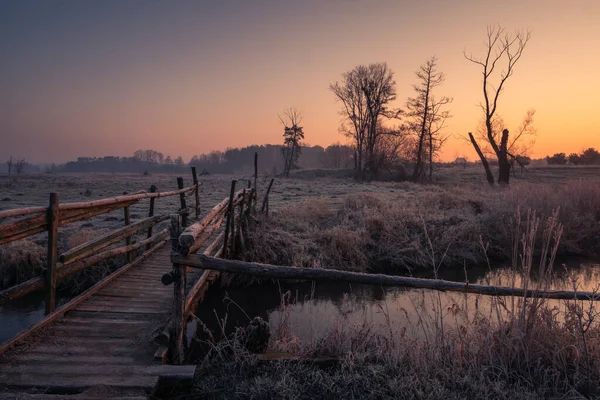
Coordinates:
313 308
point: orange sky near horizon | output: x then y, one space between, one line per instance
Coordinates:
184 78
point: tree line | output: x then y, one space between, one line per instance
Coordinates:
230 161
590 156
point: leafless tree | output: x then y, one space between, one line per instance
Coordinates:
20 165
427 116
9 164
504 49
365 93
293 133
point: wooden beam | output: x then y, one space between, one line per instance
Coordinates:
52 255
277 272
192 232
58 313
96 203
110 238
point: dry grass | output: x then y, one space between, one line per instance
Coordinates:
520 348
371 232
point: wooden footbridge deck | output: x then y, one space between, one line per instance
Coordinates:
115 339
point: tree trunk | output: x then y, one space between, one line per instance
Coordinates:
503 163
430 157
486 166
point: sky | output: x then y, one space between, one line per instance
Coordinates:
95 78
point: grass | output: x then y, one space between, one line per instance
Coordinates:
521 348
375 233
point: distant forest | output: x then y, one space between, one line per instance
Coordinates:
240 161
230 161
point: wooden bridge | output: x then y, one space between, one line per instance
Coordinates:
115 339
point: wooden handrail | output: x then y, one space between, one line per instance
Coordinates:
315 274
62 271
95 203
110 237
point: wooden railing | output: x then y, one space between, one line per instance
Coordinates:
236 212
36 220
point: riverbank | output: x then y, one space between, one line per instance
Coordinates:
430 227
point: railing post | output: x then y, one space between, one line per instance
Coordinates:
182 201
153 189
127 219
255 177
178 294
240 235
229 219
53 221
196 194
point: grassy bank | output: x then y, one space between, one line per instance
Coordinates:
510 347
424 226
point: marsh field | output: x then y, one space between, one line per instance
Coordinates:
385 343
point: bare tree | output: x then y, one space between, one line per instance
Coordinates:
427 116
293 133
20 165
506 49
365 93
9 164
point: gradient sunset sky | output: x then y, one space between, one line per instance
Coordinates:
95 78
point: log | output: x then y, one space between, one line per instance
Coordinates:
16 230
52 255
74 215
191 233
266 199
208 233
76 301
95 203
13 228
90 246
278 272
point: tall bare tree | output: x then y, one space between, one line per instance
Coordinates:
503 49
365 93
293 133
427 116
20 165
9 164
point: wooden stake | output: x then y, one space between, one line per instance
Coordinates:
127 218
182 201
229 218
196 194
53 221
178 294
255 176
153 189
